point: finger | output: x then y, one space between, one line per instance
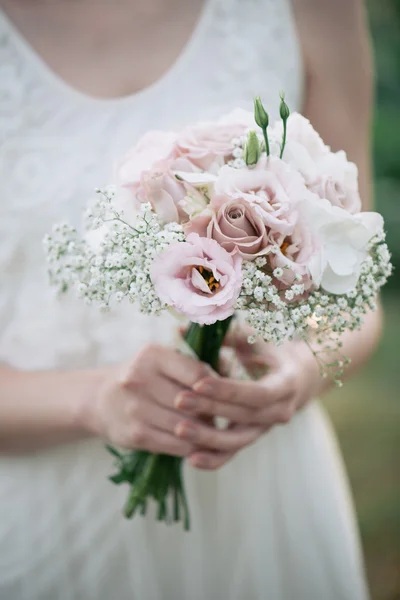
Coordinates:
238 339
145 437
237 333
265 355
281 382
164 391
209 461
245 393
279 412
224 440
243 364
194 404
182 330
202 459
182 369
158 416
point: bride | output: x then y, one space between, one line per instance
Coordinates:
80 82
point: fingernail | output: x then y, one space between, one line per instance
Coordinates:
204 387
199 462
186 401
187 431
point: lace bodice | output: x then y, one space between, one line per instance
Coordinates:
57 145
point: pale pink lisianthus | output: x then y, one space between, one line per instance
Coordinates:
209 145
163 190
199 279
174 188
235 225
153 147
293 256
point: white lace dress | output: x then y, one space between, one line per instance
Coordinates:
277 522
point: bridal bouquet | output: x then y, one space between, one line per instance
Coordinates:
235 215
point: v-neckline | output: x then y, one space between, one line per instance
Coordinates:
74 93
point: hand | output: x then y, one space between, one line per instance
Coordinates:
252 407
134 404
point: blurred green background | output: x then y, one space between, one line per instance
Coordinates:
366 411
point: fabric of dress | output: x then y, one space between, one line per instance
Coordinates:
276 523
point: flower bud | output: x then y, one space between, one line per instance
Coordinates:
260 114
284 109
252 150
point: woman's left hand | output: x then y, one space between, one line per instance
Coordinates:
251 407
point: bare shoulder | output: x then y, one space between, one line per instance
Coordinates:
325 15
339 77
334 32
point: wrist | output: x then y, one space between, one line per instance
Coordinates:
88 388
311 379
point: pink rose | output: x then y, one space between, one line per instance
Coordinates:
199 279
337 181
272 188
234 224
209 143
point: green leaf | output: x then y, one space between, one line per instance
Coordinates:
113 451
118 478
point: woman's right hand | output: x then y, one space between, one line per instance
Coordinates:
134 403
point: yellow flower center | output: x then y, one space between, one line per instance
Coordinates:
284 247
208 278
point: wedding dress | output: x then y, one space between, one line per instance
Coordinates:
277 522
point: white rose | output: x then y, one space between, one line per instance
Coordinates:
343 239
337 181
328 174
303 148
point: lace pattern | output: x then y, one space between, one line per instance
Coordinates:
57 145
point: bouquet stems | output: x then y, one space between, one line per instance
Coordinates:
159 476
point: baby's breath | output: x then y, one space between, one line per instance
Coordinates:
119 266
318 317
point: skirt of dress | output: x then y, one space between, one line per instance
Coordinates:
276 523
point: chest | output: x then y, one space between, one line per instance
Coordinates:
107 49
57 143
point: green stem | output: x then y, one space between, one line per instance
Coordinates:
155 475
176 504
283 139
182 493
266 140
138 490
206 340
